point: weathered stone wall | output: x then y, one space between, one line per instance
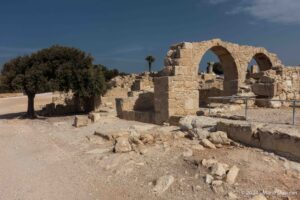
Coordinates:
121 86
209 86
279 83
181 69
184 59
179 90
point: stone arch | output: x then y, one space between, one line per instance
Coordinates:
176 89
231 73
263 61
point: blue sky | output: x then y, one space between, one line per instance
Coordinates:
121 33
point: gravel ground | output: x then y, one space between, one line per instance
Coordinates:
51 159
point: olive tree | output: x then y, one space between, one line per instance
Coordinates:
57 68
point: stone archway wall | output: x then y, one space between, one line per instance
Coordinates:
176 91
184 58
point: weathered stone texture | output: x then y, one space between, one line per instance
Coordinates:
179 89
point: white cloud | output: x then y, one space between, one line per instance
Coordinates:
281 11
285 11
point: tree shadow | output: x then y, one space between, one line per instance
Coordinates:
18 115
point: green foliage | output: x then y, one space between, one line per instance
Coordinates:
109 73
3 88
55 68
218 69
24 74
150 60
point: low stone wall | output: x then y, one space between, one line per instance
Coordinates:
140 116
283 141
139 106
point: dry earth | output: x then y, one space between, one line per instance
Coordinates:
51 159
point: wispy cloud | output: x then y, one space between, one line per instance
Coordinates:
280 11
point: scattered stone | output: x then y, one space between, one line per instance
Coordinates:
81 121
203 122
187 153
95 139
208 144
178 134
232 175
219 137
142 149
111 136
95 117
231 195
209 179
217 189
208 162
147 138
216 183
122 145
199 133
259 197
135 140
163 183
197 147
185 123
219 169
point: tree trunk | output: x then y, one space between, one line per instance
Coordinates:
30 107
150 67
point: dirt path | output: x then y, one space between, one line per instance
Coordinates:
50 159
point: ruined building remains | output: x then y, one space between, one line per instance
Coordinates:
179 88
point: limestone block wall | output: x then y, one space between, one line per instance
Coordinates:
280 82
176 92
289 85
143 83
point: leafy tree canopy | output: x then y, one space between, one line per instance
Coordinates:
55 68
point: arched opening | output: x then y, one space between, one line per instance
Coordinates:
209 58
221 74
259 62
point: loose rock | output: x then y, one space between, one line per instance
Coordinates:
95 117
231 195
185 123
219 137
232 175
163 183
81 121
122 145
219 169
259 197
208 144
216 183
147 138
197 147
209 179
208 162
187 153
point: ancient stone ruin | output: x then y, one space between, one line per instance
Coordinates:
179 89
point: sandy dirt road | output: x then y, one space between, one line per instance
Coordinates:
36 165
50 159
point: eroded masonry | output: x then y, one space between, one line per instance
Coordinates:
179 89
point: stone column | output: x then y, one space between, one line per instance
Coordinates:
210 67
